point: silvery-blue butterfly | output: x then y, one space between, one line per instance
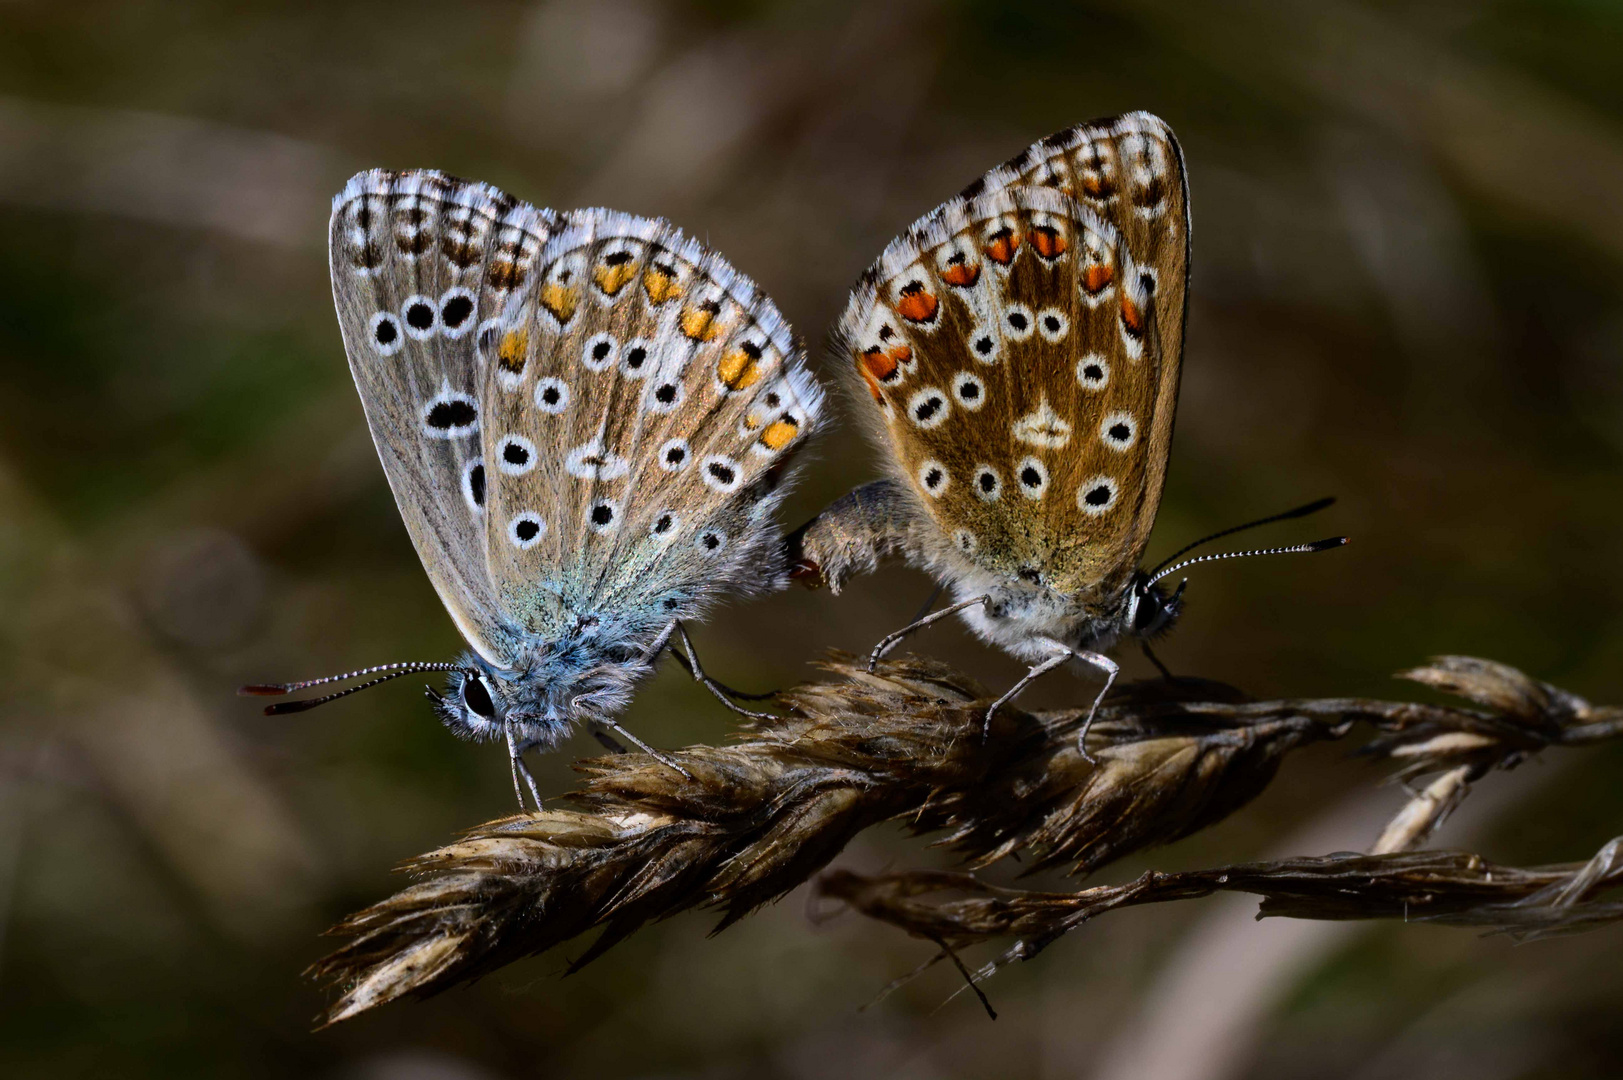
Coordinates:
586 419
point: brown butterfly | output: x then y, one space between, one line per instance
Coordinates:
1021 347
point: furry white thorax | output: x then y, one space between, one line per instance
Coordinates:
1019 616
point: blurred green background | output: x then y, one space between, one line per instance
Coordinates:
1408 291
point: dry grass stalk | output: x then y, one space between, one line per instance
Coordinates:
760 816
1457 888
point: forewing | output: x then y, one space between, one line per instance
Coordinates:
1023 347
642 408
420 261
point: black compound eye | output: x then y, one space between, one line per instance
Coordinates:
477 698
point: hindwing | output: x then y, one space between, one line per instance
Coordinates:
1022 344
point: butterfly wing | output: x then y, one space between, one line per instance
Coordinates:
642 406
1022 344
419 261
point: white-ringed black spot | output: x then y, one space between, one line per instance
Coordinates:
673 456
721 473
1093 372
711 542
421 317
1018 322
600 351
551 395
526 529
385 333
456 312
988 484
634 359
969 390
603 515
1053 324
1096 495
934 478
665 397
473 485
1119 430
928 407
1033 477
450 415
665 525
516 455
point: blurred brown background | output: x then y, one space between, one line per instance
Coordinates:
1408 291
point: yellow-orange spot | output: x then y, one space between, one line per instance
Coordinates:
505 276
778 433
612 278
916 305
515 345
738 370
1002 246
1049 241
753 421
875 367
963 275
560 300
699 323
1097 278
660 284
1131 317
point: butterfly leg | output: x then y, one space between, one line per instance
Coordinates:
664 759
737 695
515 757
708 683
1111 669
1037 671
919 624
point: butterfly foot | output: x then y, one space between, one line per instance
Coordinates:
519 768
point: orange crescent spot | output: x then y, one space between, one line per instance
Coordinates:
1131 317
916 305
961 274
611 279
1097 278
900 354
738 371
1002 246
1095 186
660 285
1049 241
560 301
876 366
511 352
505 276
778 433
699 323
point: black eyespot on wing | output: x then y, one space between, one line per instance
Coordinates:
386 332
456 413
665 394
456 311
675 455
419 316
663 525
1051 323
1018 320
925 410
634 357
527 530
551 395
722 472
600 350
1097 496
1120 432
669 603
1093 372
932 479
476 484
616 258
514 454
711 541
602 514
987 481
1030 477
983 345
969 391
